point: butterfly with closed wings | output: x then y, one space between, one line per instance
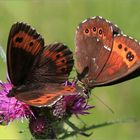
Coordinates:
104 55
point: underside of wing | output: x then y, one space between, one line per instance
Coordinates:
94 42
123 63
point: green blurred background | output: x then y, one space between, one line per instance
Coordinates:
57 20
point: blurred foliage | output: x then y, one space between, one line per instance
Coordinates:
57 20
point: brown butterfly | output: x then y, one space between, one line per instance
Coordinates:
104 55
37 71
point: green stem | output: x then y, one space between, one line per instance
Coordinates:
72 133
78 130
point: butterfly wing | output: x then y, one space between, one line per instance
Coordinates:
24 44
53 65
94 42
44 94
123 63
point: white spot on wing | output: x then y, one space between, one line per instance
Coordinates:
124 35
100 17
94 63
107 48
116 25
93 17
98 40
118 34
136 40
94 59
77 27
84 21
107 21
130 37
121 32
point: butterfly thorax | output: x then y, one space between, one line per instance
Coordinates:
85 79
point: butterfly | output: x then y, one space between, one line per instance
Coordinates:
35 70
104 55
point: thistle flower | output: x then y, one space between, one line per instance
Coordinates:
39 127
72 104
10 108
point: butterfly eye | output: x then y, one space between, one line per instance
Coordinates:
86 31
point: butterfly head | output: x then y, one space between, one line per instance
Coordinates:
17 89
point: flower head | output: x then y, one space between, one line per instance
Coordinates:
10 108
38 125
71 104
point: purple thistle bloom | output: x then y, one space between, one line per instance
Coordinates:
72 104
37 125
77 104
10 108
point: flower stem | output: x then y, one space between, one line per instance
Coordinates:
78 130
84 129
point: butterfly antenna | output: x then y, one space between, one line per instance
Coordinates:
104 104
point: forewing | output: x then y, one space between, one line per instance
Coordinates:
94 42
24 44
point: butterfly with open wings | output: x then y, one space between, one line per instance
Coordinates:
37 71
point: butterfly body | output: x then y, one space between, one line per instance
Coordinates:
104 55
